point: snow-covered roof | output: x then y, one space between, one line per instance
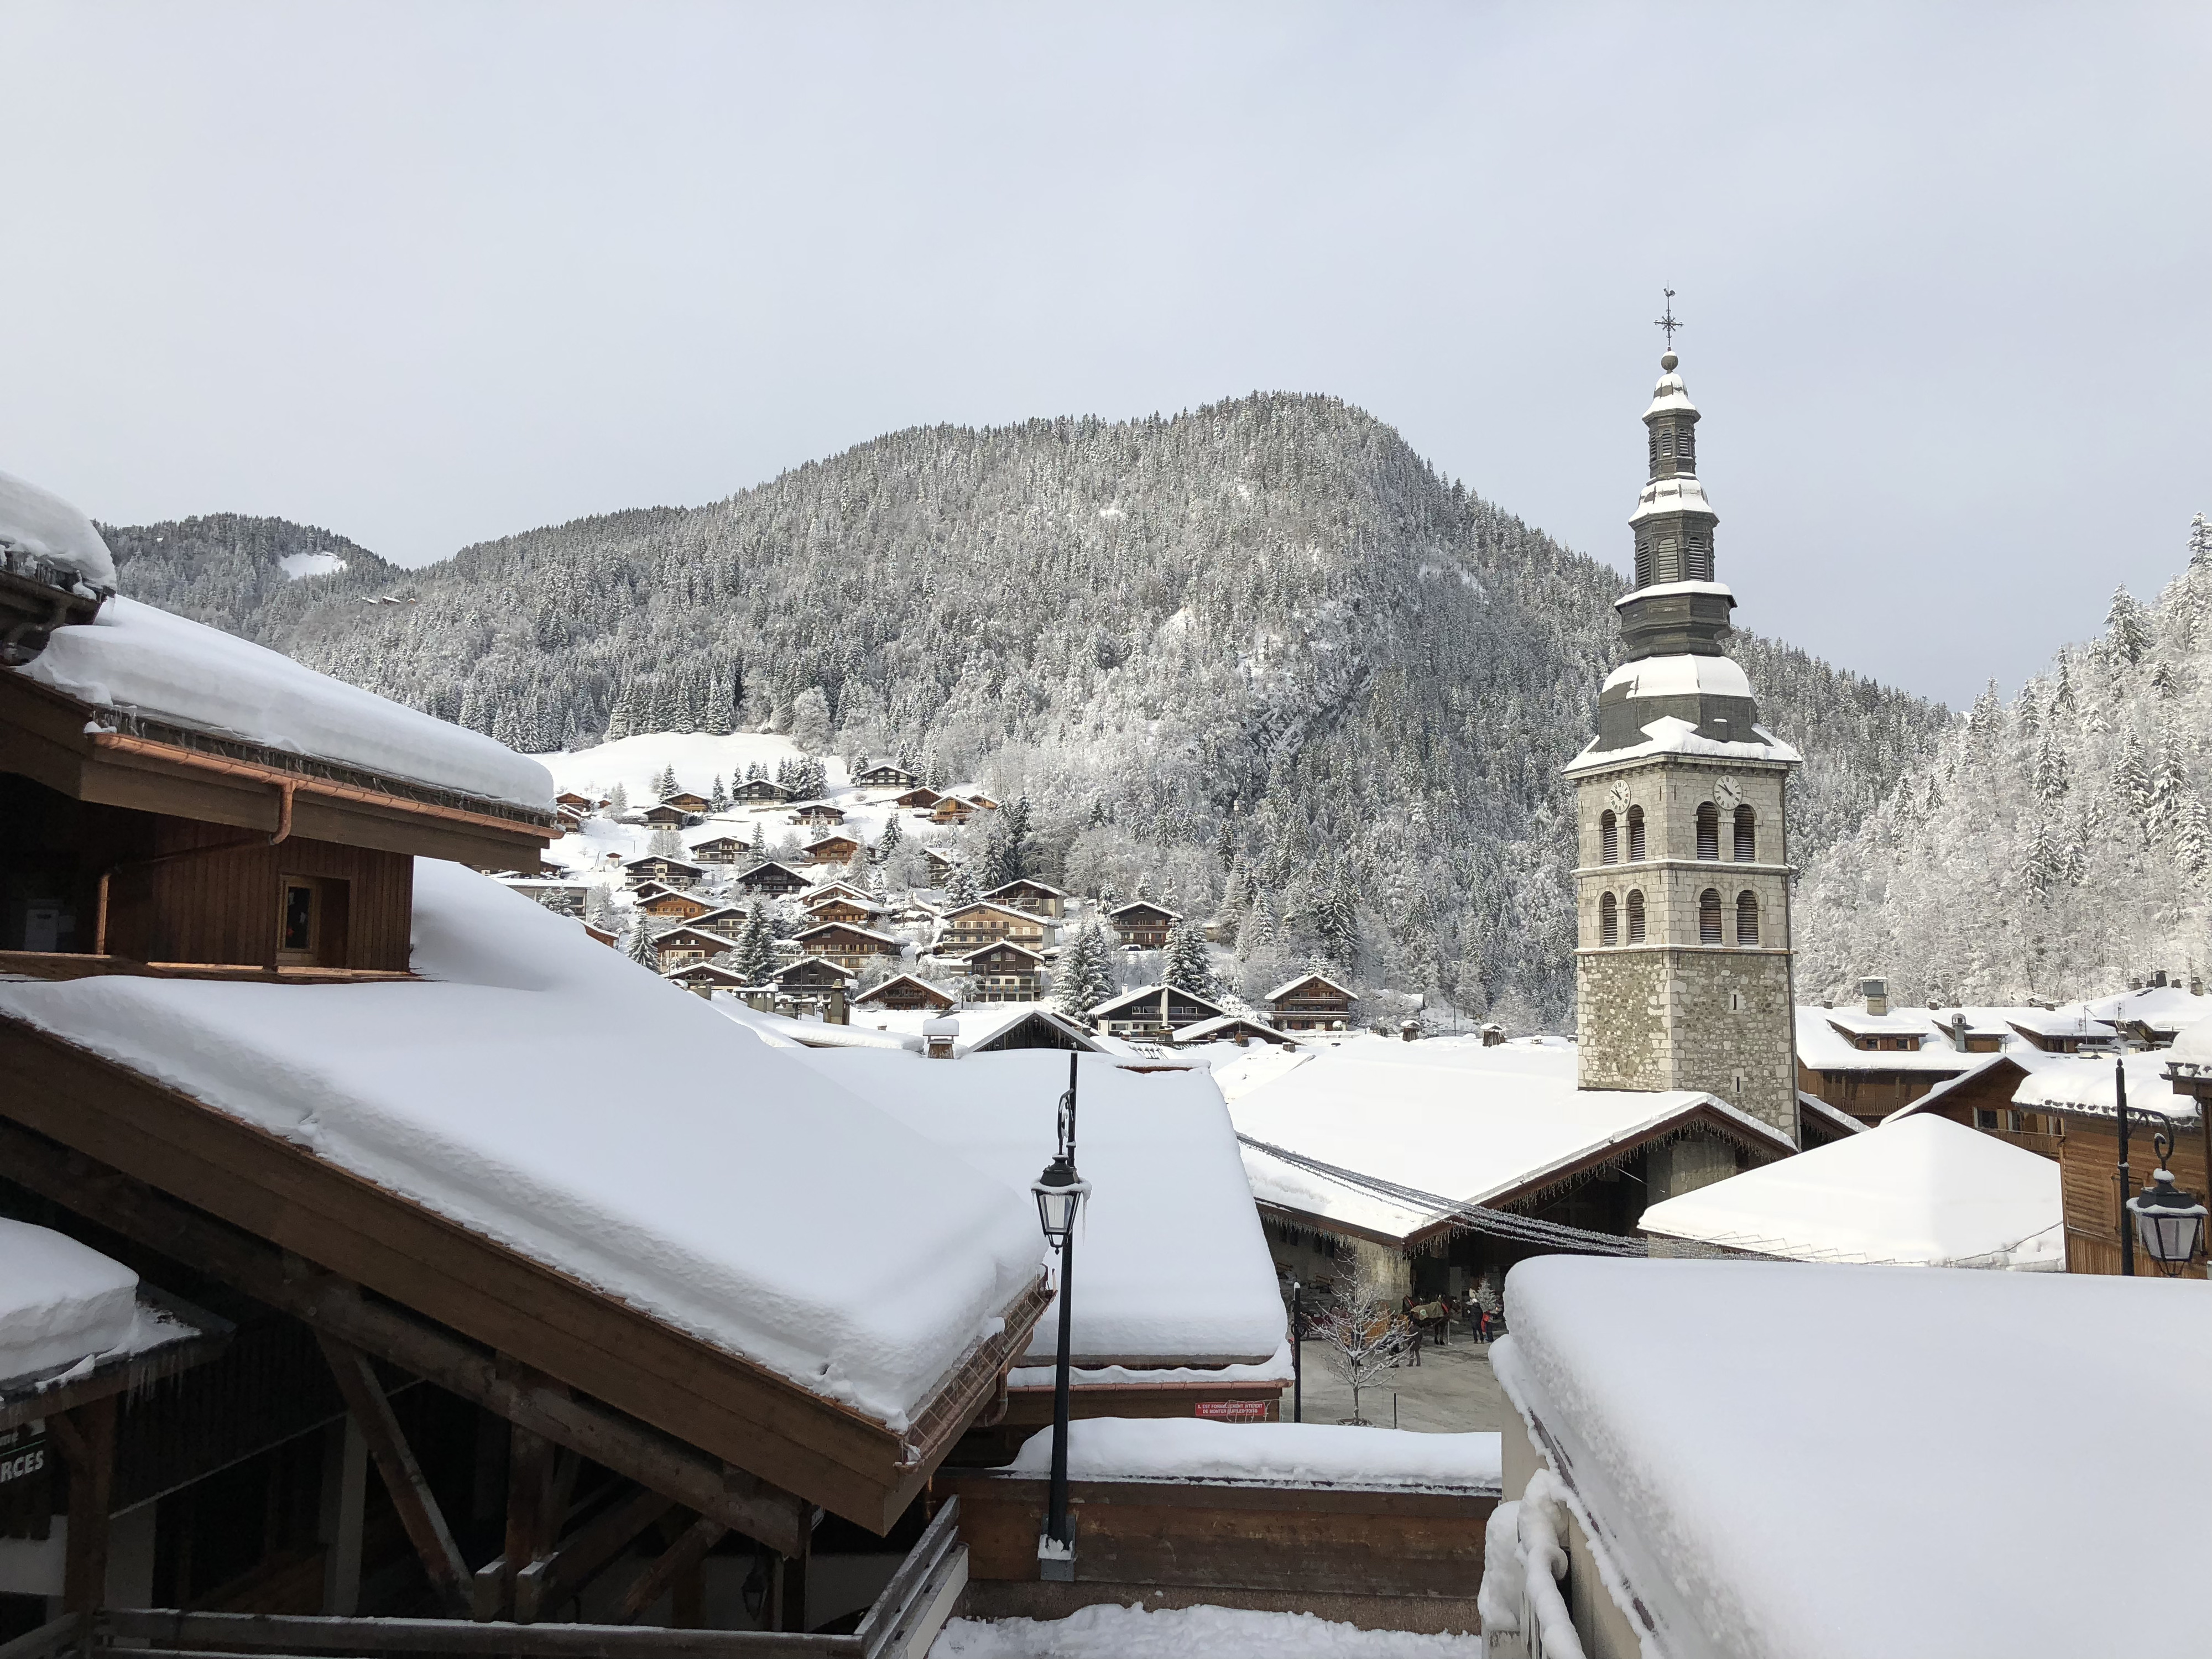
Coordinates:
1445 1116
139 661
791 967
1823 1048
1005 910
1663 590
1303 1455
1853 1023
784 1031
1671 735
875 992
998 945
1113 1005
2192 1049
829 1244
1680 677
2085 1084
38 525
1669 394
848 928
59 1300
1026 884
1680 494
2072 1021
1171 1266
1924 1191
1207 1030
1798 1461
1290 985
2161 1007
1147 904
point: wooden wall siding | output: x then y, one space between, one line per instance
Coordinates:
223 907
1206 1535
2089 1185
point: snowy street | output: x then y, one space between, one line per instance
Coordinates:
1451 1391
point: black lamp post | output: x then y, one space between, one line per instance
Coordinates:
2169 1222
1059 1195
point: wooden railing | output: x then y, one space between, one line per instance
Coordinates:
900 1625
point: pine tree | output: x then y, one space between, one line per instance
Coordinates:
757 846
719 799
2199 544
640 947
665 844
2052 771
755 957
617 800
2192 833
1184 963
960 887
599 907
1084 975
888 843
2126 626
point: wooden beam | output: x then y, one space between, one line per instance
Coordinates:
330 1305
544 1584
403 1476
661 1574
86 1438
298 1634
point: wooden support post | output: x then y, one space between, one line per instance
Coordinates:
347 1472
86 1437
790 1583
543 1585
660 1575
403 1475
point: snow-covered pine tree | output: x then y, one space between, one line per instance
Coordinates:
2127 631
599 907
666 843
1184 963
718 801
755 956
1083 977
960 887
757 843
618 800
640 947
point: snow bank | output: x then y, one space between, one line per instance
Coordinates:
59 1300
1131 1632
636 762
1272 1454
1170 1266
550 1094
139 660
1922 1190
48 529
1803 1462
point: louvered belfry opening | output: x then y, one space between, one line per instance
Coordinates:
1709 917
1709 831
1609 838
1747 917
1608 921
1635 918
1747 836
1635 834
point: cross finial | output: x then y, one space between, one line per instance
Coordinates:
1668 322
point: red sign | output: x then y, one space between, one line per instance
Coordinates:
1234 1410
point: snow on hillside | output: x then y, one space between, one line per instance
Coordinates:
699 758
296 565
2058 847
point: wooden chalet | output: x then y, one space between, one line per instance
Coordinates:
1311 1002
722 849
813 975
533 1432
669 905
681 946
2056 1033
684 802
884 776
1142 923
1003 972
759 791
772 879
905 992
837 907
1033 896
666 817
832 849
1234 1028
579 803
847 945
2080 1100
704 976
1982 1099
819 812
1153 1010
953 809
920 798
1871 1065
722 919
603 935
984 923
670 872
941 865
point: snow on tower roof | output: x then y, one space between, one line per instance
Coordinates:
1680 677
1671 735
1669 394
1797 1461
141 662
1679 494
1172 1269
761 1209
1922 1191
39 527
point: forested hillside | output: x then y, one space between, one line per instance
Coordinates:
1260 653
2059 846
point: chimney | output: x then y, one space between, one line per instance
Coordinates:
938 1035
1876 992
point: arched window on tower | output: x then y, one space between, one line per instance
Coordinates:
1669 562
1635 834
1701 558
1609 838
1747 917
1709 830
1636 917
1643 561
1709 917
1667 440
1685 446
1608 921
1654 451
1747 836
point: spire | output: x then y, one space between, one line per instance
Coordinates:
1676 607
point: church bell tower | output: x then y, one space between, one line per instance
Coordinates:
1682 972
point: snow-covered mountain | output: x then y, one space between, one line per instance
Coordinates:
2059 846
1262 645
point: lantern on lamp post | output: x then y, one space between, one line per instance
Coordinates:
2169 1222
1059 1194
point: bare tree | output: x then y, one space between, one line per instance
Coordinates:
1364 1340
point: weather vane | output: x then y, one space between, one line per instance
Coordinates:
1668 321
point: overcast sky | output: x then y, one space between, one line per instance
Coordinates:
425 274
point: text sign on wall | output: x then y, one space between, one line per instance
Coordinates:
1234 1410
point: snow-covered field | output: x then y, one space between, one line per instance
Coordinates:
1276 1453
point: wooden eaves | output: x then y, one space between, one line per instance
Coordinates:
467 1312
71 747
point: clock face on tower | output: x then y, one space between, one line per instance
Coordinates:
1726 795
1619 798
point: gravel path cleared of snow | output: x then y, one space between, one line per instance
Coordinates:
1131 1632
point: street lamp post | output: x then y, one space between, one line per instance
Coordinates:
1298 1353
1059 1195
